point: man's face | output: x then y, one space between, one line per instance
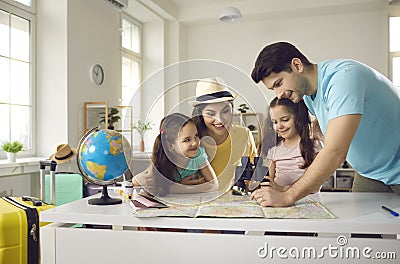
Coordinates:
291 85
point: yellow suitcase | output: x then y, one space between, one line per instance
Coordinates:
19 229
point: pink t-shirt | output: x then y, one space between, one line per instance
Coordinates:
287 162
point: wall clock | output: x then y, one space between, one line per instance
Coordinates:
97 74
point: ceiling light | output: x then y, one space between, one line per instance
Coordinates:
229 14
394 2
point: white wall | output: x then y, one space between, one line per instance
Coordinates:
51 69
93 38
360 35
73 35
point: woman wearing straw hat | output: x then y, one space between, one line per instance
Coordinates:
225 143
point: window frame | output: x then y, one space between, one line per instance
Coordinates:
136 57
31 9
392 54
125 16
28 13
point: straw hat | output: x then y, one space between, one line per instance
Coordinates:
63 153
212 90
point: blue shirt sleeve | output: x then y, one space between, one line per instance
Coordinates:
345 93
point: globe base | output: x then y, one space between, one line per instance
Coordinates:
105 199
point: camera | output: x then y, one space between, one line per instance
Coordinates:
248 176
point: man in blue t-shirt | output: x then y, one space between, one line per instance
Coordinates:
358 110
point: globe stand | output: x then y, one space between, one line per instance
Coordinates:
105 199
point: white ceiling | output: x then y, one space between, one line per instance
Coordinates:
196 12
186 3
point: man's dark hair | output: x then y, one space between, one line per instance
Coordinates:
275 58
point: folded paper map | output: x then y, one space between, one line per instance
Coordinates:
230 206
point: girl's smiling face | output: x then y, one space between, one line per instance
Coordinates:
187 142
217 117
283 121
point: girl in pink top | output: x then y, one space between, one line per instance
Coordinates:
294 150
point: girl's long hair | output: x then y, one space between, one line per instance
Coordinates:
162 158
302 123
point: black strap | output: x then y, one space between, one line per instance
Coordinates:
211 96
64 157
32 218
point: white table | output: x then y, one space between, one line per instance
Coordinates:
359 214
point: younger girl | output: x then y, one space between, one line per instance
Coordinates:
177 157
294 150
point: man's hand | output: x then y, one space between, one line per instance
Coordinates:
268 196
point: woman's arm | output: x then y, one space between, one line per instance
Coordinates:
144 178
210 186
207 174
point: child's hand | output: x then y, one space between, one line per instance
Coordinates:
274 185
193 180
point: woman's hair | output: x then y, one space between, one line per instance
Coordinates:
198 119
276 57
161 157
302 123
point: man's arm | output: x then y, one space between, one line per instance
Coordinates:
339 134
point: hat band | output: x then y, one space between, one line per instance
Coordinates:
214 96
65 157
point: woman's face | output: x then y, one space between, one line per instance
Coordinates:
217 117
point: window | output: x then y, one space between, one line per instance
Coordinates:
131 59
16 71
394 50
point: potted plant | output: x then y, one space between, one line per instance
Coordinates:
142 128
11 149
243 108
113 117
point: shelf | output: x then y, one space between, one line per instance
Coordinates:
93 111
91 115
250 119
125 124
341 180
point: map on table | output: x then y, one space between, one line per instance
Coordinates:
229 206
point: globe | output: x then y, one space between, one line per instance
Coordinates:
103 157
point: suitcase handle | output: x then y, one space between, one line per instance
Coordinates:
52 164
34 201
